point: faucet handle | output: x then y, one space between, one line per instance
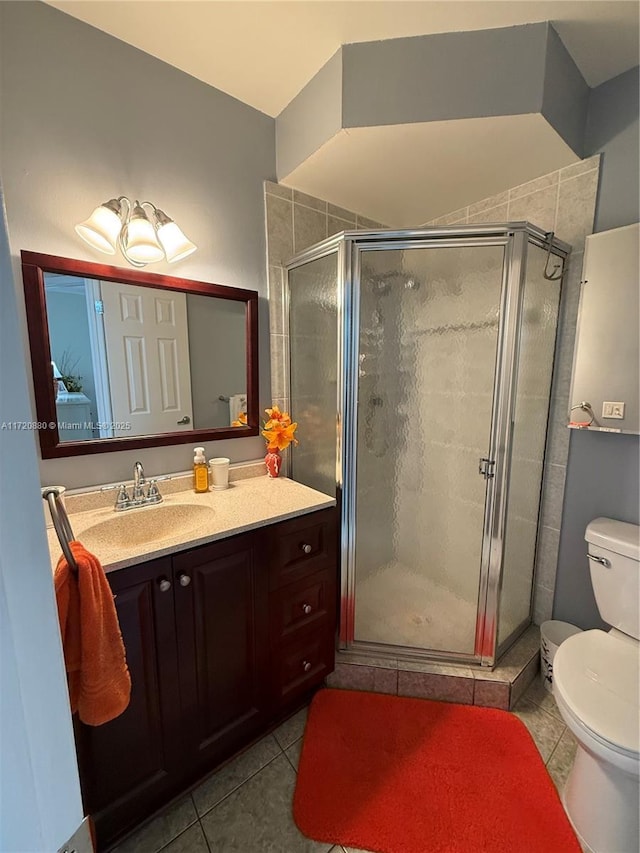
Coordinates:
153 493
123 500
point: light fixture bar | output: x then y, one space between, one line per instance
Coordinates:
141 239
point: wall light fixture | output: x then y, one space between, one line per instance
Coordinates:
142 239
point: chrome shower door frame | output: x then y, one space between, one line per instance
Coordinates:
349 246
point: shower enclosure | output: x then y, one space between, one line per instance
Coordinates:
420 371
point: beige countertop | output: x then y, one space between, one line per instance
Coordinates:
247 504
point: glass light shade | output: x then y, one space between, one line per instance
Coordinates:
101 229
140 241
176 246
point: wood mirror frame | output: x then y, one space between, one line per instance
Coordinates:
34 267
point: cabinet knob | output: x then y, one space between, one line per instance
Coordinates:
307 608
306 548
164 584
306 665
184 580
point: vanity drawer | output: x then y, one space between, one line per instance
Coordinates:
301 546
302 606
303 664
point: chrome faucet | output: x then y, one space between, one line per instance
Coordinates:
138 497
138 482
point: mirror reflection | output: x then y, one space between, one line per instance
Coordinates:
131 361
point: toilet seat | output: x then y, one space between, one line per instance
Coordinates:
597 677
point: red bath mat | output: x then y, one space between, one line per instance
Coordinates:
397 775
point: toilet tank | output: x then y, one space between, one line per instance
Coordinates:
616 586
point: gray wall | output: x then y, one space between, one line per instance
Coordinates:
602 471
69 332
87 117
612 128
217 356
39 787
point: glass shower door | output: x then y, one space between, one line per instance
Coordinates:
313 370
426 362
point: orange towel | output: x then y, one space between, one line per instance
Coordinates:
94 655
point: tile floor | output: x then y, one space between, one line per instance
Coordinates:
245 807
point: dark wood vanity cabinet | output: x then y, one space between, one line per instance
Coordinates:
222 629
221 641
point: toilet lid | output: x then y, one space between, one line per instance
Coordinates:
598 676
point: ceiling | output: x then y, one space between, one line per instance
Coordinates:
263 52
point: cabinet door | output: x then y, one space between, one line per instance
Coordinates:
222 622
128 766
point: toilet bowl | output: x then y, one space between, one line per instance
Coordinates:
597 687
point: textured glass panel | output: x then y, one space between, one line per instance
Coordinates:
535 367
313 328
427 338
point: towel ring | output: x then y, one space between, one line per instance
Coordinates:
585 407
61 524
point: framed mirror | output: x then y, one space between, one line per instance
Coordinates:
126 359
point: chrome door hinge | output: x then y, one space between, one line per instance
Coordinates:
485 467
99 306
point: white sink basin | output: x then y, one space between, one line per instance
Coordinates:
149 524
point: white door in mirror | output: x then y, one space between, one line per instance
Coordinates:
147 343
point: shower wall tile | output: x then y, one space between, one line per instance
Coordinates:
335 225
558 434
499 213
578 168
279 344
537 184
488 203
575 208
309 201
341 213
553 495
442 688
538 207
276 302
548 543
279 229
278 189
563 364
362 223
453 218
542 604
309 227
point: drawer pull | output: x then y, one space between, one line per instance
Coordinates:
306 548
307 608
164 584
184 580
306 665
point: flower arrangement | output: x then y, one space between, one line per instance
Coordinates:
278 430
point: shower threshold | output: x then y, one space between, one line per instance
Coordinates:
500 687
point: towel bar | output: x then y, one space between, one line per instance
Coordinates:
61 524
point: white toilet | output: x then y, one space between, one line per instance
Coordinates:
596 683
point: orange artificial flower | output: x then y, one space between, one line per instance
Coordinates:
277 417
242 420
278 436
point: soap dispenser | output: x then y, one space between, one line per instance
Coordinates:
200 471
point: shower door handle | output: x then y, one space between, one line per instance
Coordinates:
485 467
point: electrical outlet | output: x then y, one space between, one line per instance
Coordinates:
613 410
